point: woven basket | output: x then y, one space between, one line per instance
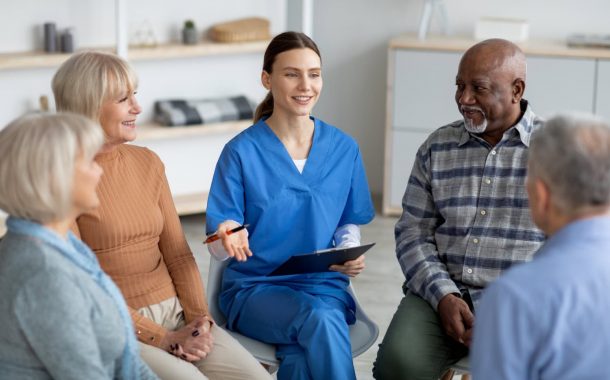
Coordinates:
246 29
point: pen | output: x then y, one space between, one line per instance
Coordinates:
215 237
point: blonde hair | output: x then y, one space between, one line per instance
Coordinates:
37 168
87 79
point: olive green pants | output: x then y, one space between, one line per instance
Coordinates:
415 347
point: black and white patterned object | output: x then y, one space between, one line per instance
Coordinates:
175 112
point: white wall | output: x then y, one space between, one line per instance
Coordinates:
548 19
353 36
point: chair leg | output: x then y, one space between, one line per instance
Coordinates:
448 374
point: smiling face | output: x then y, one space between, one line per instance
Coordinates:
490 84
295 82
118 118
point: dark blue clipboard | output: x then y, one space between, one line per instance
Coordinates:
319 261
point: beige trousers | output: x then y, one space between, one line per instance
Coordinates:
227 361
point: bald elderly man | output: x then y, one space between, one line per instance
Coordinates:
465 215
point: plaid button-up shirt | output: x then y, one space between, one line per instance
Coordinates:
465 211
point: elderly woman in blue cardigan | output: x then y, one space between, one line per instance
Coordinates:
62 317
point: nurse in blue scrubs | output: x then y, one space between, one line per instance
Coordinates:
300 185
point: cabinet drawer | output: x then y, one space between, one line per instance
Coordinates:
560 85
404 147
424 89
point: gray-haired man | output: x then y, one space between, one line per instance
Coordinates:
549 319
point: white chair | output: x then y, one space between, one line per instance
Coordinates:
363 333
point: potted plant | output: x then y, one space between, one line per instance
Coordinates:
189 33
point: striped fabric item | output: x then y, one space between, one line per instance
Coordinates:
203 111
465 211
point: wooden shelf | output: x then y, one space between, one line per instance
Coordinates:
158 132
36 59
392 211
187 204
206 48
40 59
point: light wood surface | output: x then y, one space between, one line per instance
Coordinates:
30 60
187 204
201 49
158 132
39 59
552 48
2 225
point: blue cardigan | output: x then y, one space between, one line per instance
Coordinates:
56 321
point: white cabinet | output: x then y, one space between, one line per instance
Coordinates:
404 145
424 86
560 84
421 88
602 101
419 77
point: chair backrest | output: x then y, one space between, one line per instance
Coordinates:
263 352
363 333
217 269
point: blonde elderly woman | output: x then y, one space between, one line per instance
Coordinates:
137 236
61 316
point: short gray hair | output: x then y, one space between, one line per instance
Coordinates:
571 154
87 79
37 166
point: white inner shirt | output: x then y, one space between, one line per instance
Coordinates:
300 164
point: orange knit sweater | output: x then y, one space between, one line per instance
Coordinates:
137 237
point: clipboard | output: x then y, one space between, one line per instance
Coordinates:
319 261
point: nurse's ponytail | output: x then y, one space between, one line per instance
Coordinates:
279 44
265 108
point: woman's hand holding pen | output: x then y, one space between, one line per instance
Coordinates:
351 268
236 244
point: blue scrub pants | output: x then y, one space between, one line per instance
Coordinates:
310 331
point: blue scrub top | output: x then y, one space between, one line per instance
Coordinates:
256 182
